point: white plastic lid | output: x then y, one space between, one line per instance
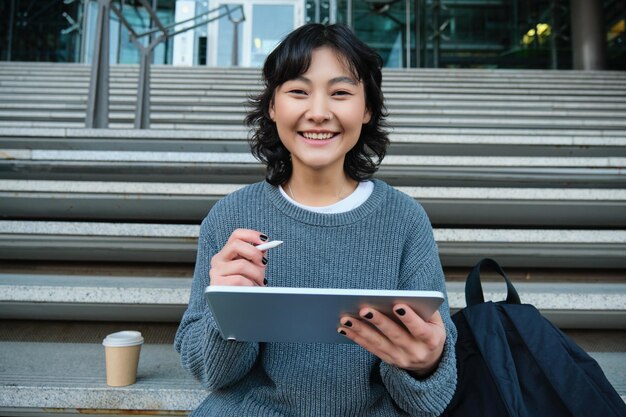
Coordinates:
123 338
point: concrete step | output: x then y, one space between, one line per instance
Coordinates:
394 97
98 200
519 75
44 378
597 305
404 83
68 378
184 74
184 126
59 156
163 333
47 66
141 242
404 141
185 270
393 101
229 105
228 167
72 86
434 118
406 109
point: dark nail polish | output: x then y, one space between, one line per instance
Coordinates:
369 316
265 281
264 260
348 323
400 312
263 238
342 332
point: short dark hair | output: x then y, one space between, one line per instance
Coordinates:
292 58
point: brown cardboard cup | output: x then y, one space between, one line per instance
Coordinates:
122 357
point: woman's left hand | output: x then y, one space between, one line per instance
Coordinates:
417 346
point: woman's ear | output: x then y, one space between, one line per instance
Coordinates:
367 116
272 112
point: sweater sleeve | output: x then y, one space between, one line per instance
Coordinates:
421 270
215 362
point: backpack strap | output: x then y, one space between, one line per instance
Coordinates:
490 337
474 290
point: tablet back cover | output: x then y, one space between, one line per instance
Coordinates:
304 315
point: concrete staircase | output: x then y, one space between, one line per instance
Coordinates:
98 227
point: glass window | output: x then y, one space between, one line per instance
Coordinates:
266 36
44 30
122 50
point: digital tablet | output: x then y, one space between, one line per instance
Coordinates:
304 315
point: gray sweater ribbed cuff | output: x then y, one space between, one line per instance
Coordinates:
425 397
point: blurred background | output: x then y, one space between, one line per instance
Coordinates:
532 34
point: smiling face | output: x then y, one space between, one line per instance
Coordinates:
319 115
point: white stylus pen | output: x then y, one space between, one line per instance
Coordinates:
269 245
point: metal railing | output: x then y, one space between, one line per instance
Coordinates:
98 102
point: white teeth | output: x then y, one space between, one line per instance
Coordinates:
318 136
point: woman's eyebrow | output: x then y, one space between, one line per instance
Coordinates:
336 80
343 79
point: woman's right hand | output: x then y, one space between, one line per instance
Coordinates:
240 262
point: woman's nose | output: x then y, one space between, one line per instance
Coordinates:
319 111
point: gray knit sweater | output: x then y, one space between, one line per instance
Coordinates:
386 243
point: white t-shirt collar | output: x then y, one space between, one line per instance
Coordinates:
355 199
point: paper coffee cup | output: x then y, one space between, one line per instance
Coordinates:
121 351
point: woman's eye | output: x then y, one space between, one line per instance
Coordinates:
297 91
342 93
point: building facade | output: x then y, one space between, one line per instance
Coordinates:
537 34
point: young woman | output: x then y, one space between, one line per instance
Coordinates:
319 130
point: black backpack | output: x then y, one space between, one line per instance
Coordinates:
512 362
